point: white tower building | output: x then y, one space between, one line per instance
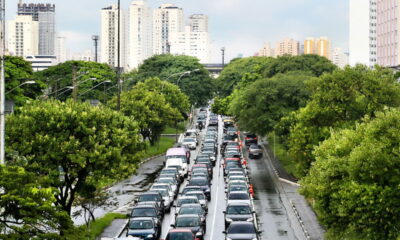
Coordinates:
109 36
167 20
140 29
23 36
362 35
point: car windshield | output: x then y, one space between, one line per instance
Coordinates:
241 229
144 212
198 182
176 166
163 192
186 190
149 198
180 236
238 196
238 210
187 201
166 180
169 170
198 195
141 224
191 210
236 188
255 147
187 222
188 140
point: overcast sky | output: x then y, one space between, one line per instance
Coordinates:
242 26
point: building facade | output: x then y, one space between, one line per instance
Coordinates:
287 47
140 30
109 38
23 36
324 47
310 46
339 58
198 23
266 51
61 50
167 20
44 14
388 32
363 32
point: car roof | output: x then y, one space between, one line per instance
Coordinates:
195 192
241 223
174 230
186 197
188 216
191 205
238 204
142 219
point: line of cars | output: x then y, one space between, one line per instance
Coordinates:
239 215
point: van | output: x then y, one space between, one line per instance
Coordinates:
178 163
177 153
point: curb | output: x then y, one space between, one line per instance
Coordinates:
288 182
122 229
306 234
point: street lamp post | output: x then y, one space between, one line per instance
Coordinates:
24 83
119 58
104 82
2 82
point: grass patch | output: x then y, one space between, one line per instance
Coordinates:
160 147
282 154
171 129
96 228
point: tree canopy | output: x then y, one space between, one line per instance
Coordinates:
90 80
354 182
197 85
339 100
74 144
18 71
260 106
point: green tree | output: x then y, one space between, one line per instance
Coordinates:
173 95
339 100
149 109
88 75
18 71
260 106
197 85
221 105
27 206
354 182
74 144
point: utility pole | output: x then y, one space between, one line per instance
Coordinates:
2 83
223 56
119 58
74 84
95 38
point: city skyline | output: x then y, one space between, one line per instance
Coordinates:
231 21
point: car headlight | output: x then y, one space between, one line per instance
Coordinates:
150 236
228 220
250 219
228 238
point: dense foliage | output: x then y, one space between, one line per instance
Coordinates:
260 106
90 80
339 100
354 183
197 85
73 144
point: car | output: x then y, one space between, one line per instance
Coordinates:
211 153
190 142
192 222
152 196
230 166
179 164
181 234
140 211
192 133
168 197
200 174
202 165
188 189
187 150
213 122
144 228
182 200
201 197
203 183
232 131
238 212
171 181
242 197
190 209
235 178
237 188
255 151
168 171
250 138
242 230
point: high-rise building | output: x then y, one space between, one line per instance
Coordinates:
363 32
266 51
44 14
109 38
190 43
140 29
339 58
23 36
310 46
61 51
324 47
167 20
388 32
198 23
287 47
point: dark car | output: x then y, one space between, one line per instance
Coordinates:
192 222
242 230
181 234
213 121
146 211
152 196
232 131
250 138
238 212
203 183
144 228
255 151
190 209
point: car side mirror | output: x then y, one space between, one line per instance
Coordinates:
224 212
224 232
253 212
176 214
173 225
259 232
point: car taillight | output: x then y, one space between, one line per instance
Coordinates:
247 138
255 138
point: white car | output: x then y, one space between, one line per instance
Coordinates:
192 133
190 142
178 163
234 197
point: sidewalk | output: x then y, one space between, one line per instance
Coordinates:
113 231
289 187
